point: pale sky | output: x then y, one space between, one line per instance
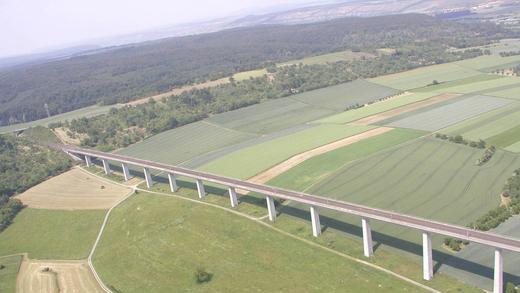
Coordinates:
30 26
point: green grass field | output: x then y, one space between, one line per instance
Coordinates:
506 138
488 63
423 76
8 274
449 85
339 97
479 85
430 178
180 144
312 171
156 243
250 161
52 234
83 112
376 108
512 92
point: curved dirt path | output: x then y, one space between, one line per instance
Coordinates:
297 159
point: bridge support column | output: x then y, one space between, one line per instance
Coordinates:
427 256
200 189
148 177
106 166
498 282
233 197
173 182
126 171
368 247
271 208
315 219
88 161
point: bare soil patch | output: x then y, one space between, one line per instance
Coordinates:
295 160
74 190
54 277
404 109
61 133
178 91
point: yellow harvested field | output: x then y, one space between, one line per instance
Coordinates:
74 190
62 276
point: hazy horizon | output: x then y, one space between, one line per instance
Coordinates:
33 27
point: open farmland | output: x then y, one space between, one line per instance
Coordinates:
183 143
146 228
250 161
73 190
489 63
424 76
449 85
310 172
487 124
506 138
52 234
482 86
9 272
448 114
63 276
339 97
512 92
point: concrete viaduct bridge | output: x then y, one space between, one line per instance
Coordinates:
427 227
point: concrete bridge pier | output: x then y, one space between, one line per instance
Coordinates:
233 197
427 256
498 282
173 182
200 189
368 247
148 177
271 208
106 166
126 171
88 161
315 219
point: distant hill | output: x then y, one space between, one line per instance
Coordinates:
122 73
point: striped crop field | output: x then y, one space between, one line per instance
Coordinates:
450 85
339 97
489 63
448 114
506 138
250 161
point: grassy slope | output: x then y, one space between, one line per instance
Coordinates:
315 169
46 234
379 107
9 273
250 161
154 244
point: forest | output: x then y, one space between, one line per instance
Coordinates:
124 73
124 126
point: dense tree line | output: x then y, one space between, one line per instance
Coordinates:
124 126
9 207
127 72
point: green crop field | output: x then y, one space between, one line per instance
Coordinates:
8 274
270 116
156 243
315 169
444 115
339 97
488 63
423 76
429 178
506 138
250 161
512 92
451 85
375 108
180 144
483 86
52 234
487 124
83 112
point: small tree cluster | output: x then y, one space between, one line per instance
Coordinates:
488 154
511 288
454 244
202 276
460 140
509 53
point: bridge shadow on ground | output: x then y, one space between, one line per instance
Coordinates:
441 258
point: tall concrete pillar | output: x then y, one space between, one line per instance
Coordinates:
200 189
88 160
233 197
106 166
148 177
173 182
270 208
368 247
427 256
315 219
498 282
126 171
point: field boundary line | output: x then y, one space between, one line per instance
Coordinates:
205 121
